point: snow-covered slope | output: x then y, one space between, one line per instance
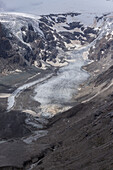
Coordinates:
40 41
15 21
37 40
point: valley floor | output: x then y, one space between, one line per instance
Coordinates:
80 138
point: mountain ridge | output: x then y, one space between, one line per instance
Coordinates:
31 45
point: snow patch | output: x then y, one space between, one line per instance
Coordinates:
4 95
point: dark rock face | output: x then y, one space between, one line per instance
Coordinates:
49 36
103 48
74 25
61 19
68 35
53 54
28 34
5 45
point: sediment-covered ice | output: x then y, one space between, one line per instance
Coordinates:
60 88
19 90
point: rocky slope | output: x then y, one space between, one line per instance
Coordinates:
80 138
